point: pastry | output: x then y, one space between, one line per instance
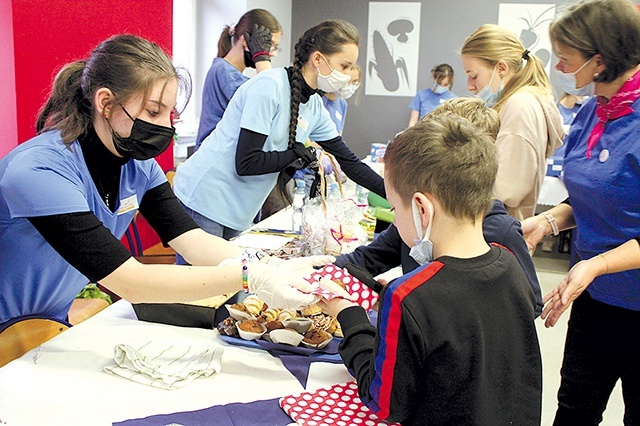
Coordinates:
228 327
239 307
315 336
311 310
254 305
285 314
269 315
273 325
251 326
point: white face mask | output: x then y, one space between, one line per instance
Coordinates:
440 89
422 252
569 84
332 82
349 90
486 93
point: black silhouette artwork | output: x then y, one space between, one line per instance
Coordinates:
391 71
530 36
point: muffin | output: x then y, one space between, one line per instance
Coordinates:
239 307
251 326
228 327
315 337
273 325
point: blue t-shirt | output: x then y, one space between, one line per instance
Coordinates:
222 81
337 111
208 182
605 197
568 114
43 177
427 100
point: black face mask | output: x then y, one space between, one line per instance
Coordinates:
248 62
147 140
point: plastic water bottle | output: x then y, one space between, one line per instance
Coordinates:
297 205
334 194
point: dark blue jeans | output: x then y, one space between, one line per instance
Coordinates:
210 227
601 347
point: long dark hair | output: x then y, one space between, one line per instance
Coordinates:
126 64
328 37
255 16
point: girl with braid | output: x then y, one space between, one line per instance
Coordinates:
258 144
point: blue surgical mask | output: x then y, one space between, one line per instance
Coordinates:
569 84
440 89
486 93
422 251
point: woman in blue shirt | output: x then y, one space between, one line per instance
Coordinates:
427 100
68 195
602 177
250 43
259 143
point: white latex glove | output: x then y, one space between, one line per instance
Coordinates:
303 266
278 287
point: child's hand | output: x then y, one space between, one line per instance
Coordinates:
334 306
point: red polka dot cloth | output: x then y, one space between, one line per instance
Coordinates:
364 296
338 405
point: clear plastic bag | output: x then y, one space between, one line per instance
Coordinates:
332 226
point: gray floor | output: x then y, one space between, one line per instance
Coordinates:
551 270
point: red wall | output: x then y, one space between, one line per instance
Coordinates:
8 116
51 33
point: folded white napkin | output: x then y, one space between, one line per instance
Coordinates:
163 365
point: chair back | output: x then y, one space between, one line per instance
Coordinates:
23 335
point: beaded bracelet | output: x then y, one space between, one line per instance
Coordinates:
245 275
552 222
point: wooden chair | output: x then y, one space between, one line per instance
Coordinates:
23 335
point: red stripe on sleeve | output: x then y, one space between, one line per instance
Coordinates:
392 329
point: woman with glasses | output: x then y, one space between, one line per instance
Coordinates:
251 43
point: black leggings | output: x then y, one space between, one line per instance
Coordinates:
601 347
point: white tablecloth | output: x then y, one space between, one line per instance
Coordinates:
62 382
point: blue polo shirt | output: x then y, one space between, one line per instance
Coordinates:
605 197
337 111
221 82
43 177
427 100
208 182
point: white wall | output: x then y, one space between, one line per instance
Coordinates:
197 28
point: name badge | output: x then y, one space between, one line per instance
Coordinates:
338 116
128 204
303 123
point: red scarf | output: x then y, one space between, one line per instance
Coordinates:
618 106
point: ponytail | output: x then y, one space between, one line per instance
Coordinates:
532 74
328 37
67 108
225 43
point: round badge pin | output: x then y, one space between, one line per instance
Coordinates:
604 155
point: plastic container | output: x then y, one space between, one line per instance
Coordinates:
297 205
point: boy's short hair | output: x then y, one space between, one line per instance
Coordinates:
447 157
473 109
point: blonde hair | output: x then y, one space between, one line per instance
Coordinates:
473 109
447 157
492 44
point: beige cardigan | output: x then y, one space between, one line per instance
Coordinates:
530 131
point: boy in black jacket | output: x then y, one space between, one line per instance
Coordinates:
387 250
456 341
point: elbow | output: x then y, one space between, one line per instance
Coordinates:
243 168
